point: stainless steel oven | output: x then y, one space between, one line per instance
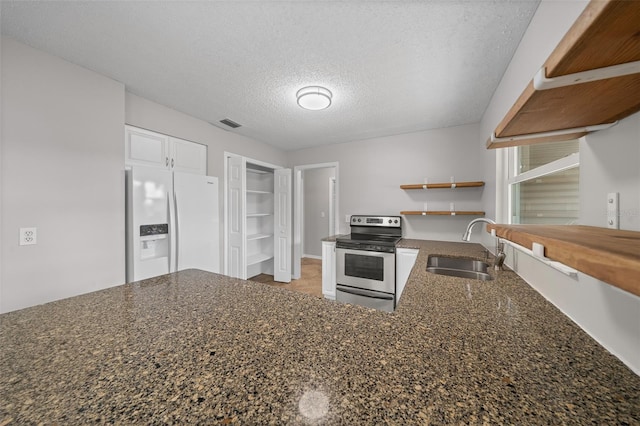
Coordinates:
366 262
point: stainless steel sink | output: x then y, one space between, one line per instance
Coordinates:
455 267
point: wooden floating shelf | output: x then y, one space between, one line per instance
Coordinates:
610 255
442 213
605 35
447 185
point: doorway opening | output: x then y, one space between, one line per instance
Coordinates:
315 210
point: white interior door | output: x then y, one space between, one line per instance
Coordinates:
236 208
282 225
197 222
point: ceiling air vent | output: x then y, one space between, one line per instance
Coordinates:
230 123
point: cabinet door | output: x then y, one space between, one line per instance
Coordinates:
189 157
329 269
145 148
405 259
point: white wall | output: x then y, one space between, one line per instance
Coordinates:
609 162
316 202
149 115
62 172
371 172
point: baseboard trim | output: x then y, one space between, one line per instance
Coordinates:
312 256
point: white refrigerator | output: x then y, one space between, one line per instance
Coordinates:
172 222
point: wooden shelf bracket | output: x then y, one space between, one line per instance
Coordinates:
542 82
538 254
576 130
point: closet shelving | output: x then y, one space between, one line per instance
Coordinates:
259 219
442 185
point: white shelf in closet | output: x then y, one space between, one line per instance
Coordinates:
253 191
254 237
258 258
262 172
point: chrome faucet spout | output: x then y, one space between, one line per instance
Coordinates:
467 233
500 257
500 254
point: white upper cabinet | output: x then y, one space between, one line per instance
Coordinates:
146 148
188 156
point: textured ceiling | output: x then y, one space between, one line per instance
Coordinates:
393 66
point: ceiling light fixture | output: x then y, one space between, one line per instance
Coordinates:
314 98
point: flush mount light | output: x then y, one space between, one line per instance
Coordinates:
314 98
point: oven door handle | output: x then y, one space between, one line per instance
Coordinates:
360 252
365 293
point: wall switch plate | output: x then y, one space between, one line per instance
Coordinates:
613 210
28 236
347 218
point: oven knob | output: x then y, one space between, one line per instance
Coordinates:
359 220
396 221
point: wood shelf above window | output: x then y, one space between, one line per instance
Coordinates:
442 213
443 185
610 255
604 35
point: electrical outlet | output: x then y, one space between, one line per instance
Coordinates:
613 210
28 236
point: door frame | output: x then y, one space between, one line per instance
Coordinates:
228 155
298 210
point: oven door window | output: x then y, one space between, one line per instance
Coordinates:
363 266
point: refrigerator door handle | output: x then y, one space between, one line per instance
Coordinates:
176 226
169 246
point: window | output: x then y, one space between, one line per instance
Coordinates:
543 183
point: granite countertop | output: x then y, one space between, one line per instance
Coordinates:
195 347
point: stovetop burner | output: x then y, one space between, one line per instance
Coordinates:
373 233
389 240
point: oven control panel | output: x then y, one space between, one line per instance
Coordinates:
385 221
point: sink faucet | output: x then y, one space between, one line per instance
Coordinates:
467 233
500 255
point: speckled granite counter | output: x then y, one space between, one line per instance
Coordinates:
195 347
